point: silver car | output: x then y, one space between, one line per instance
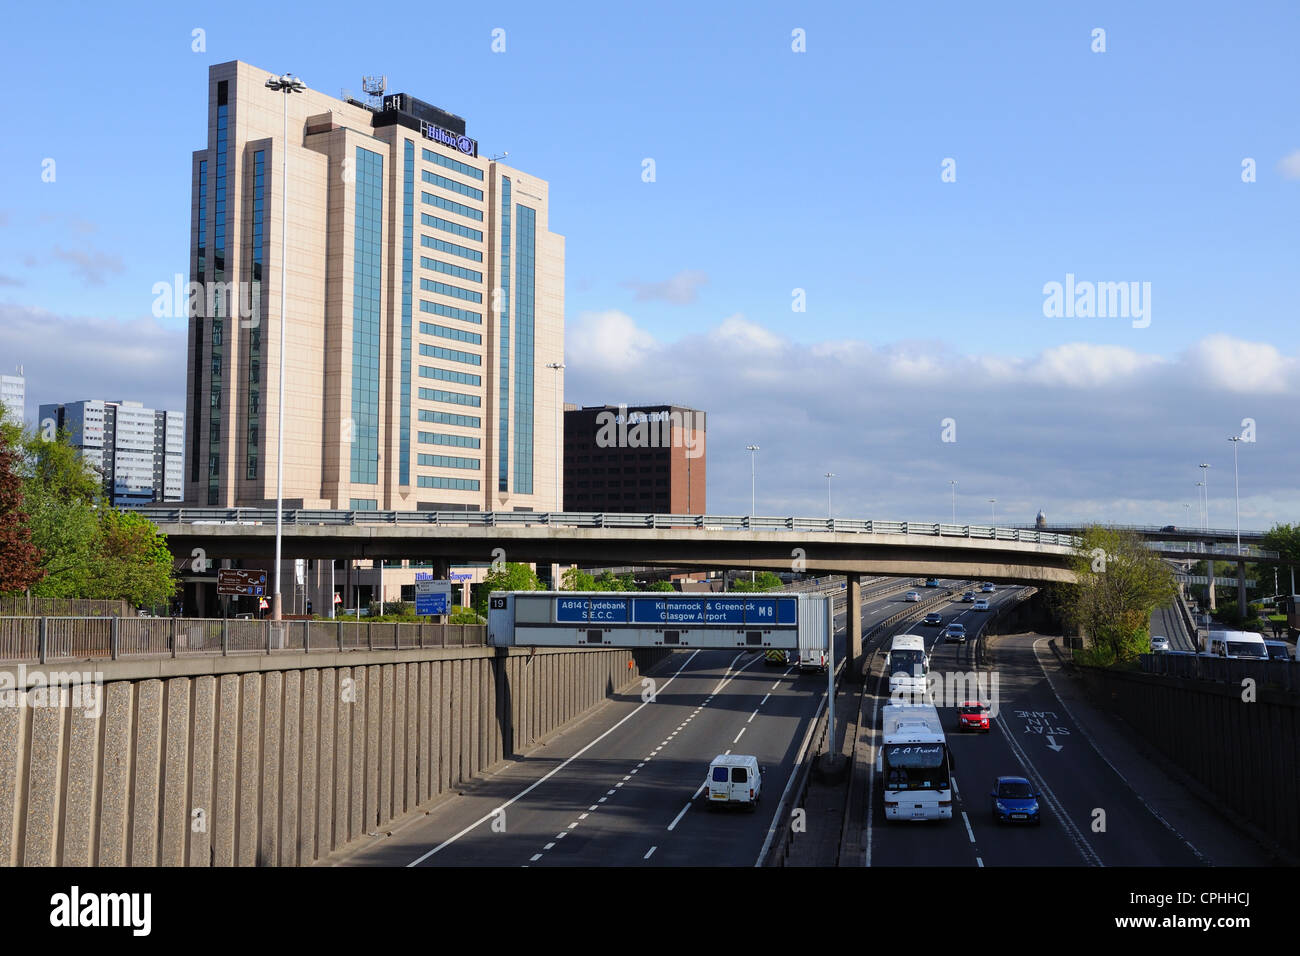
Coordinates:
1159 644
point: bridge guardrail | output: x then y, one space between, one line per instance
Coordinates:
501 519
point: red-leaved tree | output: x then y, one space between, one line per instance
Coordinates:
20 560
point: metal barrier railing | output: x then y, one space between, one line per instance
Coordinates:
42 639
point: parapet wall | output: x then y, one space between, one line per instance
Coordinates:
267 760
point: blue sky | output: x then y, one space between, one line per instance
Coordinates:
774 170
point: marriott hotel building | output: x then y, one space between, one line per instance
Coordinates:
425 297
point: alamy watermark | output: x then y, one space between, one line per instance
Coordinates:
662 429
81 690
1098 300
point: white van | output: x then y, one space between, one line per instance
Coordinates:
907 665
1246 645
734 780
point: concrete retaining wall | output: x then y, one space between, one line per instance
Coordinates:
1243 752
269 760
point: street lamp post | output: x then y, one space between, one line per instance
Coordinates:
557 368
954 499
753 485
993 506
1236 488
829 476
285 84
1205 483
1200 504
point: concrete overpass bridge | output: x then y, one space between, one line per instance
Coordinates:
1162 532
834 546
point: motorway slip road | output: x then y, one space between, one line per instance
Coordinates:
619 787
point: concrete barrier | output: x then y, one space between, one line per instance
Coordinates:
266 760
1242 750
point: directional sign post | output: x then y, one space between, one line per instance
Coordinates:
432 598
241 582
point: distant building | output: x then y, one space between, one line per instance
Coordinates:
644 458
13 397
1041 521
140 452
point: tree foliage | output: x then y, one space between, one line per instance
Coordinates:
1119 583
20 558
763 581
512 577
87 549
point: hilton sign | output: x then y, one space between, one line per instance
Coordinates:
447 138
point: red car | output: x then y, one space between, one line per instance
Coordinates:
973 715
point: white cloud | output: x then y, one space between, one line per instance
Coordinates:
609 340
1084 365
1235 365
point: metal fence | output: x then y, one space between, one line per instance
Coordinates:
44 639
1279 675
24 606
583 519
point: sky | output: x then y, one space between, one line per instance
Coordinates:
832 227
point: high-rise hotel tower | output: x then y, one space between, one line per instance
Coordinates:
425 299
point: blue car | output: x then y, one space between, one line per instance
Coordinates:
1015 801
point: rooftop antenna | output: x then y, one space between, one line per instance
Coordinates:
373 87
500 156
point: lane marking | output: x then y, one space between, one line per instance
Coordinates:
677 819
738 736
549 845
700 791
752 716
1097 750
534 858
764 700
561 836
602 799
966 820
619 784
609 793
648 852
583 816
537 783
590 808
978 861
573 824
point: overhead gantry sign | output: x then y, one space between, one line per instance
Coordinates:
640 619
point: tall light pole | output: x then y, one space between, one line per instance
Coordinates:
954 499
829 476
1205 483
286 84
993 506
1200 504
557 368
1236 488
753 485
753 472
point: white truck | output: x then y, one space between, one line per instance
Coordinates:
1246 645
914 764
812 647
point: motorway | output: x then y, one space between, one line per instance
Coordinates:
617 788
1031 734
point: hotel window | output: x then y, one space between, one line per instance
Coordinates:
450 418
442 245
455 228
442 182
525 282
446 375
451 312
448 461
455 291
447 204
408 237
446 268
455 165
450 398
459 335
451 355
366 284
455 484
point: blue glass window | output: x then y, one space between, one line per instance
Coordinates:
442 245
446 268
460 335
452 206
503 337
525 280
450 398
442 182
367 276
451 312
454 164
451 355
455 228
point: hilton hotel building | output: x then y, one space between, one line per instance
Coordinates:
425 297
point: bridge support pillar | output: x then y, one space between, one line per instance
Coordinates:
853 630
1209 572
1241 590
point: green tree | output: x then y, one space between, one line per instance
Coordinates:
132 560
576 579
1119 583
513 577
20 559
1285 540
661 586
763 581
63 496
